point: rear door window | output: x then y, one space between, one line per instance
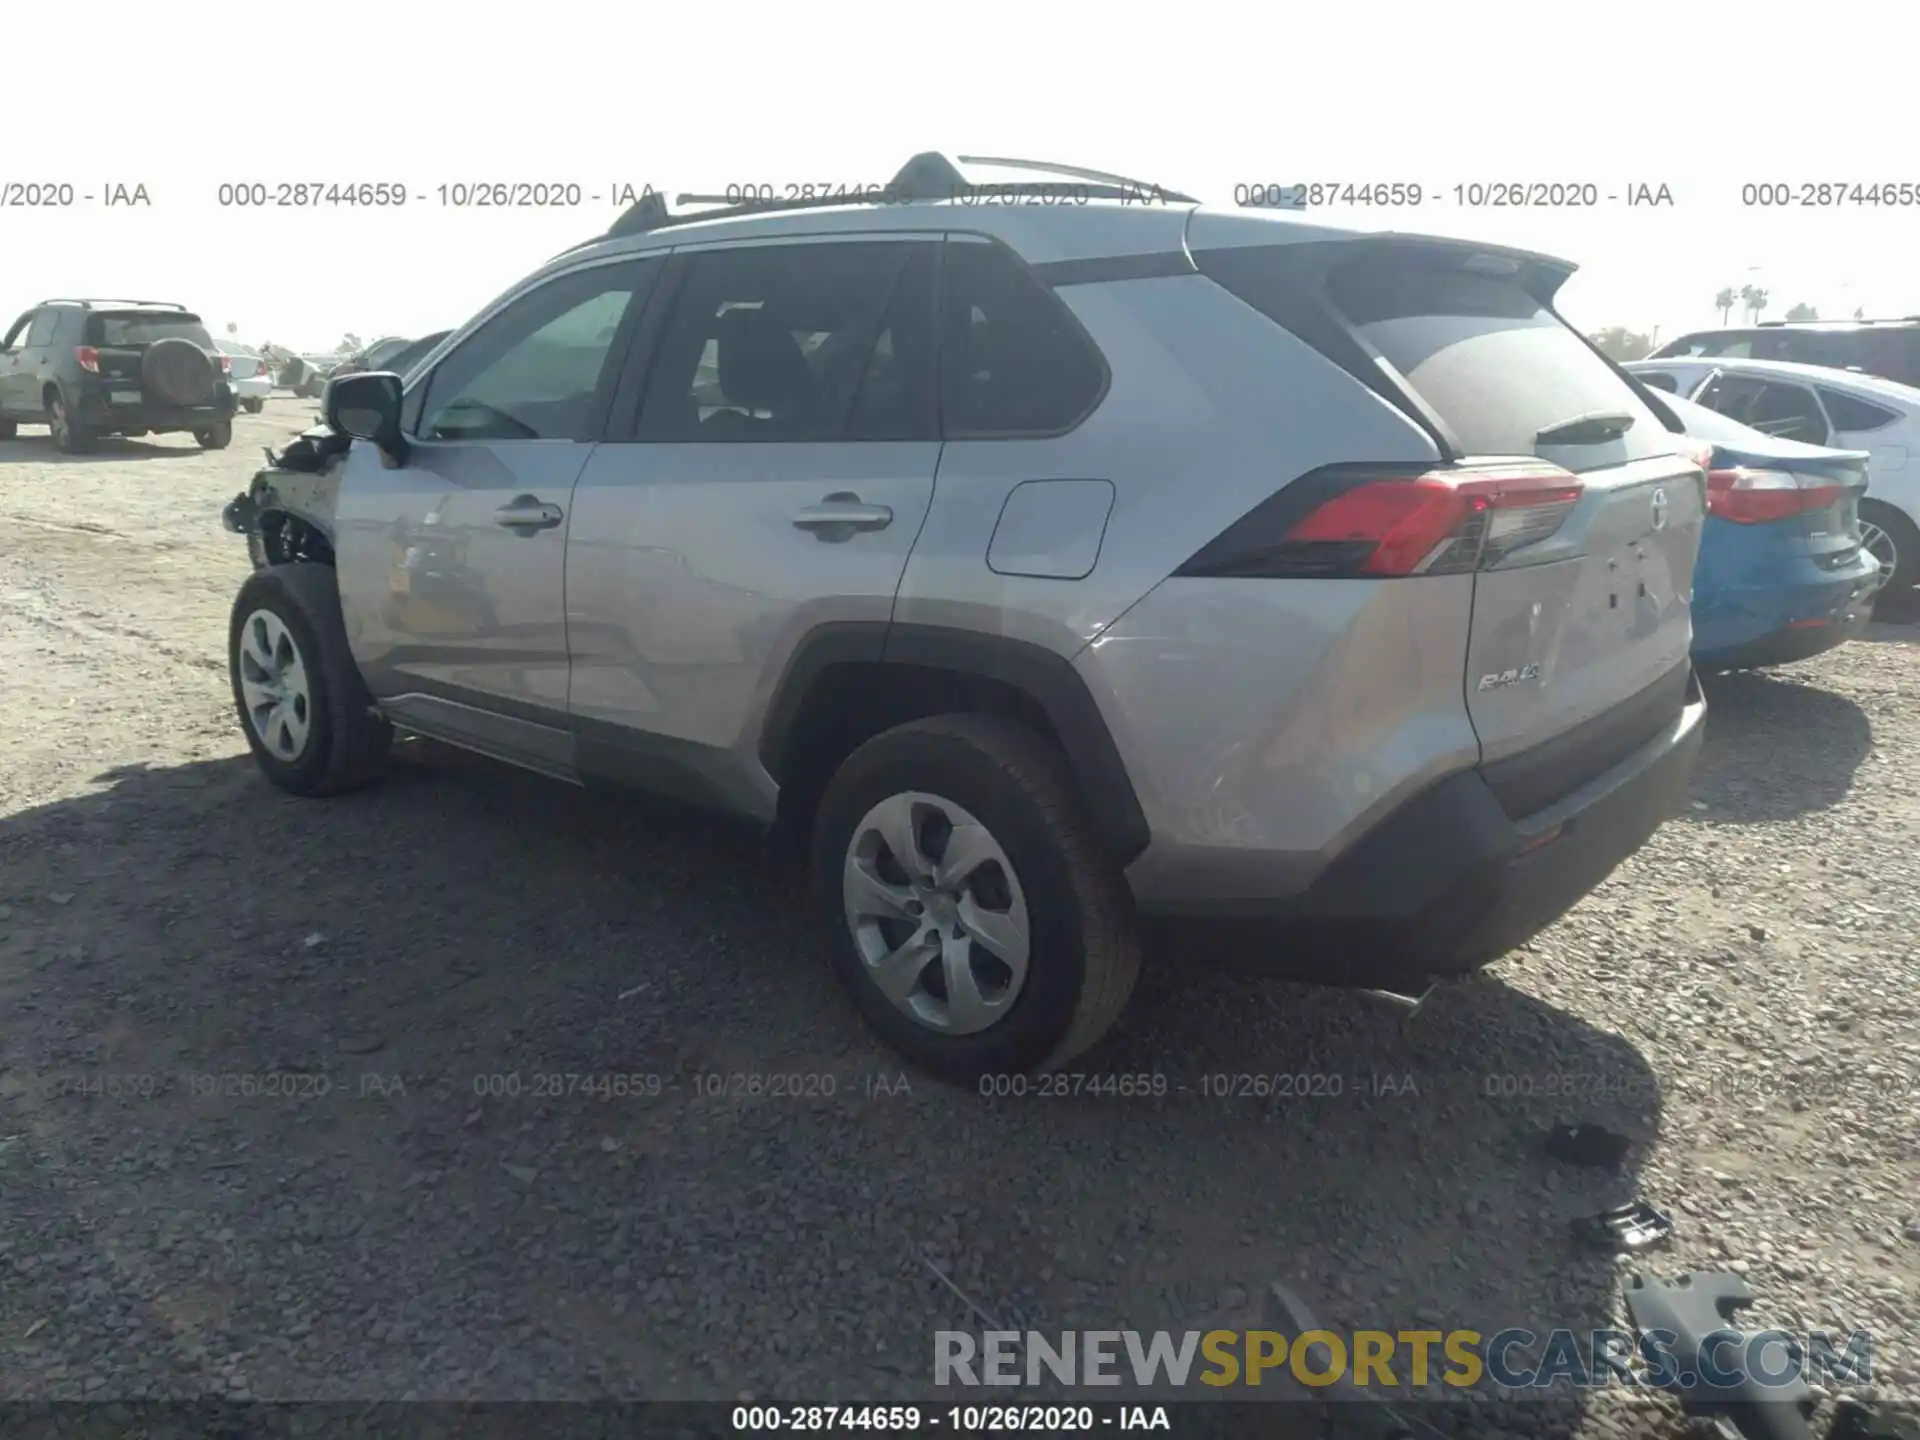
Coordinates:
1659 380
143 328
815 342
41 331
1497 366
1770 406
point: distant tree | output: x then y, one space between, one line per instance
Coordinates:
232 329
1803 312
1859 312
351 344
1617 342
1724 303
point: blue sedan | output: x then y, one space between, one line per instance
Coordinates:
1782 575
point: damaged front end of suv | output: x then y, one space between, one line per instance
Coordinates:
287 512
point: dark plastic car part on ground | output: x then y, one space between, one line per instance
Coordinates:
1694 1312
1593 1145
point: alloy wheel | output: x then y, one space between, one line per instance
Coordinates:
937 913
273 683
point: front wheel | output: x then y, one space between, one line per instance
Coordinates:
971 914
214 437
253 407
309 720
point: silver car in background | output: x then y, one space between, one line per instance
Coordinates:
250 375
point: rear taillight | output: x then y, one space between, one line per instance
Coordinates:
1437 523
88 357
226 364
1756 497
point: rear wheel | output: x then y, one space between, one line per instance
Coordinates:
1892 539
215 437
308 717
69 434
971 915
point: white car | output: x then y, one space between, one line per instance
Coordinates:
249 374
1841 408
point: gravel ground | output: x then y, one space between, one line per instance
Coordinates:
368 1221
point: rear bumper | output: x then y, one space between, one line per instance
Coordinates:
1448 882
1797 641
96 408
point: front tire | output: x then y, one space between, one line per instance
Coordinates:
253 407
971 914
214 437
307 714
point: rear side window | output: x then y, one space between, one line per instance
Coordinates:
41 331
797 343
1658 380
1495 365
1848 413
1013 359
1772 407
145 328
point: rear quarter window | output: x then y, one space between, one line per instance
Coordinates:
1849 413
1496 365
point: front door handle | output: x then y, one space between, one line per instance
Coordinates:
528 513
841 514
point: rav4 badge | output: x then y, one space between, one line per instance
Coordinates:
1501 679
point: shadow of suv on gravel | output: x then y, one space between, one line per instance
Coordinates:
88 368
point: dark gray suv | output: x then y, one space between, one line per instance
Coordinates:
88 368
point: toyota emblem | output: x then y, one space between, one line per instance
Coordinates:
1659 509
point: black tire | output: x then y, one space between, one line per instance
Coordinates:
1083 944
1905 538
69 435
214 437
347 741
252 406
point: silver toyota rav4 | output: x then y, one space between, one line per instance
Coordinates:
1060 558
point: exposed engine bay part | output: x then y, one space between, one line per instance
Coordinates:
287 512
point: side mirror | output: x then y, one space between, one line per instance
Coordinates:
366 406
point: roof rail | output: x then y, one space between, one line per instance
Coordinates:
926 177
111 303
1047 167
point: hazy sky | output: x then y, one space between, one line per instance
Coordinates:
1200 97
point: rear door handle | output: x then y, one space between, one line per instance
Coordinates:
840 514
528 513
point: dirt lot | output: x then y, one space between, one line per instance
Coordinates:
271 1109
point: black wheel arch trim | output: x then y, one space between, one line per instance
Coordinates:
1046 677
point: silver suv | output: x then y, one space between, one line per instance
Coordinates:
1056 558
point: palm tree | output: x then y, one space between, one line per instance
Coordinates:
1747 292
1759 303
1724 303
